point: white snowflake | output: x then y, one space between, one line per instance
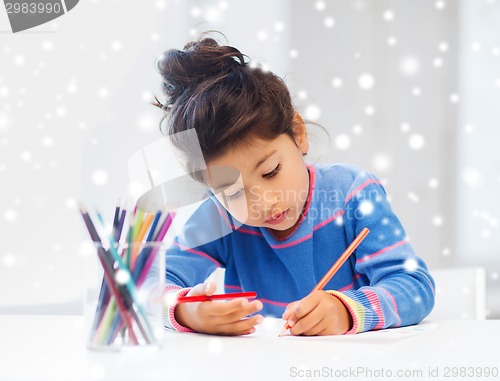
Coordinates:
411 264
405 127
369 110
72 86
4 91
100 177
437 220
469 128
337 82
196 12
366 208
148 123
433 183
320 5
215 346
416 142
388 15
122 277
413 197
440 4
409 66
437 62
475 46
47 45
342 141
26 156
486 233
472 177
357 129
19 60
329 22
117 45
262 35
366 81
47 141
279 26
60 111
302 94
4 121
382 162
313 112
443 46
9 260
103 92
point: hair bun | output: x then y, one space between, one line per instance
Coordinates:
199 61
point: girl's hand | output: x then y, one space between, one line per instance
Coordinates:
319 313
218 317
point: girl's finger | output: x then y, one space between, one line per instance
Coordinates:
243 326
235 306
308 322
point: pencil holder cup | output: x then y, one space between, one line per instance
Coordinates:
128 309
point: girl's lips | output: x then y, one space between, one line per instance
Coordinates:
278 219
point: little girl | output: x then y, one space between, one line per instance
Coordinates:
290 221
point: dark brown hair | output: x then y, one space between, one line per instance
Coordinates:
212 88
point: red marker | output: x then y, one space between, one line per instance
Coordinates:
205 298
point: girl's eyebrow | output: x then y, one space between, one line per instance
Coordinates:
264 159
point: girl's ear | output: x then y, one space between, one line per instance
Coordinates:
300 133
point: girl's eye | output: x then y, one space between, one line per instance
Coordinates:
235 195
274 172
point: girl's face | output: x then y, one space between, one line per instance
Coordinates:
264 183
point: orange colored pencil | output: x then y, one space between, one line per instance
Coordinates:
336 266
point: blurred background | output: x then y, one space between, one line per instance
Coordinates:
408 89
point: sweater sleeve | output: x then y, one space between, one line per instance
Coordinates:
195 253
400 290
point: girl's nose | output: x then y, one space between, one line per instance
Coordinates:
269 199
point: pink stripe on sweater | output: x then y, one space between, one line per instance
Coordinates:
247 231
358 189
171 307
296 242
328 220
231 287
273 302
348 287
381 251
376 307
197 252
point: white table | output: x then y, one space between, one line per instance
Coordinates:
53 348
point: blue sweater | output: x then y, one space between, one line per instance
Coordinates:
383 284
